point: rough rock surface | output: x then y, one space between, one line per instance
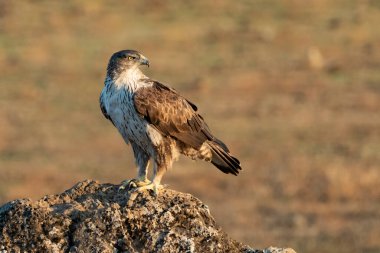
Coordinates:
93 217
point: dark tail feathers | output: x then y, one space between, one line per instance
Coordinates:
222 159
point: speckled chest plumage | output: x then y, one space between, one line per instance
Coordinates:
117 97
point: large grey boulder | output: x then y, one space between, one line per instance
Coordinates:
93 217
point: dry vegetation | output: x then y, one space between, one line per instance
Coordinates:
292 86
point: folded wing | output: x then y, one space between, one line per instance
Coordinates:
177 117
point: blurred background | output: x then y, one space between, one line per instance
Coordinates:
293 87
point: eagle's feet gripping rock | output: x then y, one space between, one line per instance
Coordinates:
139 185
133 184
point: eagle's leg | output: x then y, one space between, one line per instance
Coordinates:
163 160
155 185
158 172
142 162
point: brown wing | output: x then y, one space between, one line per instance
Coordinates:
172 114
175 116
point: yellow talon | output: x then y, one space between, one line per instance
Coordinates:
152 186
133 184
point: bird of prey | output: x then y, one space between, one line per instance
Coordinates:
157 121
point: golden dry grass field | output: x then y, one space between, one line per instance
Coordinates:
293 87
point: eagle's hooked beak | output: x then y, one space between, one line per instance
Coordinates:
144 61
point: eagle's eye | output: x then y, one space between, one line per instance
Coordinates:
131 58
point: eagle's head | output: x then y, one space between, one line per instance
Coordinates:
125 60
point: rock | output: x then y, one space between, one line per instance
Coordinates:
93 217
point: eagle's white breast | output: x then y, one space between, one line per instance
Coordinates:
117 97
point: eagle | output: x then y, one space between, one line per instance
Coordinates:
157 122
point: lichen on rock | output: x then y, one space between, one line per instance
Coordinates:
93 217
